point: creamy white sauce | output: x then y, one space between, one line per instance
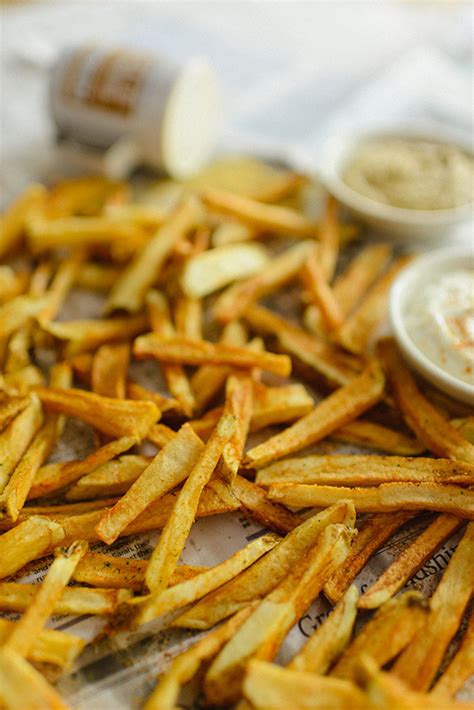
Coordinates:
440 320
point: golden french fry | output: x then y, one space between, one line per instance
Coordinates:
160 435
15 219
61 284
340 407
319 290
28 540
50 590
78 232
109 370
96 277
239 404
120 418
265 574
360 470
376 436
192 590
188 316
329 237
15 439
409 561
230 231
164 404
465 426
83 335
374 532
111 478
276 405
166 554
460 667
330 639
186 665
130 289
56 647
10 407
254 501
18 312
22 686
421 416
418 664
261 635
387 497
170 467
142 215
85 196
12 284
74 600
277 272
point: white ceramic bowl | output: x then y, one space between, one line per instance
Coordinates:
404 224
423 269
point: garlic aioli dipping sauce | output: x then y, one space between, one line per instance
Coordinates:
440 321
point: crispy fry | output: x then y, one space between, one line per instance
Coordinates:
160 435
129 291
84 335
261 635
320 291
265 574
21 686
18 312
254 501
234 301
188 317
25 542
56 647
421 416
15 439
460 667
339 408
376 436
61 285
276 405
238 403
109 370
169 468
164 403
15 219
74 600
389 496
373 533
111 478
79 232
409 561
418 664
330 639
10 407
126 417
166 554
96 277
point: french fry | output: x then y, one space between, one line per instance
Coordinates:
329 232
460 667
277 405
79 232
377 436
265 574
254 501
330 639
12 284
359 470
342 406
61 285
55 647
373 533
270 687
231 232
169 468
96 277
22 686
109 370
111 478
164 404
199 352
465 427
387 497
234 301
166 554
10 407
119 418
320 357
18 312
261 635
130 289
409 561
387 633
15 439
211 270
239 404
142 215
160 435
319 290
180 595
85 196
23 636
421 416
186 665
418 664
28 540
188 317
52 478
356 331
15 219
74 600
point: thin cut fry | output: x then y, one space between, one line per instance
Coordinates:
22 686
17 313
96 277
74 232
188 316
28 540
108 479
85 196
109 370
376 436
15 219
330 639
254 501
239 403
10 407
418 664
15 439
460 668
339 408
409 561
164 403
166 554
160 435
421 416
61 285
56 647
276 405
84 335
320 292
74 600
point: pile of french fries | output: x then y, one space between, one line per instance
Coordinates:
194 277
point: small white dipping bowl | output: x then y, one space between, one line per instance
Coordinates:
404 224
423 270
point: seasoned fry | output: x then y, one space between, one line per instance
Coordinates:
18 312
74 600
239 404
376 436
160 435
164 404
84 335
126 417
10 407
15 439
109 370
111 478
418 664
180 595
96 277
389 496
319 290
260 636
276 405
21 686
170 467
16 218
330 639
129 291
186 665
359 470
234 301
28 540
166 554
421 416
265 574
199 352
254 501
460 667
409 561
340 407
373 533
56 647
